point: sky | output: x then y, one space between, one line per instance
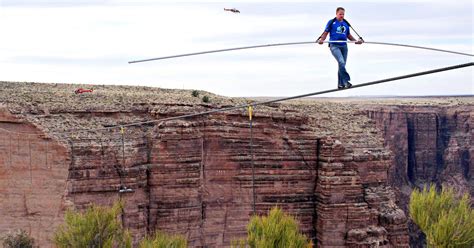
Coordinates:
91 42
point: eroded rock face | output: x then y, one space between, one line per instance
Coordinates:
33 180
355 208
342 168
195 177
431 144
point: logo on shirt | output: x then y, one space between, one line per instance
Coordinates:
341 30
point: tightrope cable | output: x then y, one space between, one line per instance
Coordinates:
298 43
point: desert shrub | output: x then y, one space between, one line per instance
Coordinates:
163 240
277 230
446 220
96 227
238 243
18 239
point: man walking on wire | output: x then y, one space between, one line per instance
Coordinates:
338 30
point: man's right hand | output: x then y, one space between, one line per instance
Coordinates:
320 42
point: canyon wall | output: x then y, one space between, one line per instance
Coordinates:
431 145
344 168
33 179
194 177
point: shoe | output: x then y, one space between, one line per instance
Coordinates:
340 87
348 85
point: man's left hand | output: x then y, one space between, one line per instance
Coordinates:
360 41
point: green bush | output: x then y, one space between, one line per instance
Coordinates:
195 93
277 230
96 227
446 220
18 239
206 99
163 240
238 243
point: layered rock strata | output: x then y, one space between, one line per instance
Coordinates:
431 144
338 167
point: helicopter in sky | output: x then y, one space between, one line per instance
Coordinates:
232 10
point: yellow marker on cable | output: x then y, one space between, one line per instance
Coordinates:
250 112
122 130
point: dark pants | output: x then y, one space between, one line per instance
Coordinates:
340 54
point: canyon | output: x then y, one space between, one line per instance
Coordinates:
343 167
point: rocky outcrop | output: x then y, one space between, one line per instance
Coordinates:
354 206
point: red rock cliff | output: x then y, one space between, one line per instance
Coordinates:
33 179
326 162
431 144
